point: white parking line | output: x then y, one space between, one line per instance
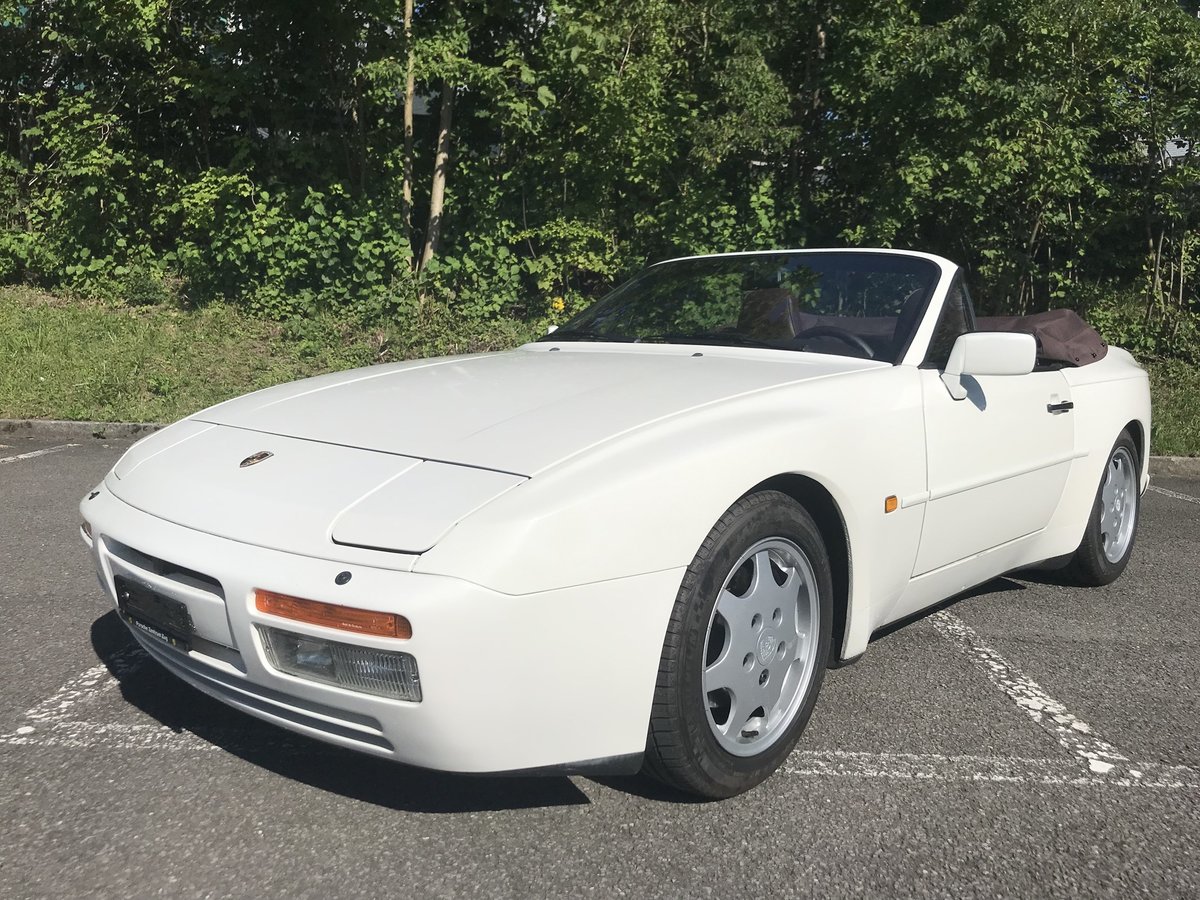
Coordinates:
59 721
914 767
1002 770
56 721
1175 494
1075 735
35 453
75 735
59 706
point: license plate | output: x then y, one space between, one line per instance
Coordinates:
163 618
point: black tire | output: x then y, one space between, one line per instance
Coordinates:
682 750
1091 566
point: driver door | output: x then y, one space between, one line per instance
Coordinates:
998 462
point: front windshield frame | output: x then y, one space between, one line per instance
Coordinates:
784 300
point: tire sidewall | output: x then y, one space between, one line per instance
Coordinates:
769 515
1091 560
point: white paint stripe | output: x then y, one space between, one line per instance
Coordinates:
156 736
912 767
35 453
1093 762
96 736
984 769
1073 734
50 723
1178 496
59 705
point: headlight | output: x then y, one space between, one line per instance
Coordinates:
384 673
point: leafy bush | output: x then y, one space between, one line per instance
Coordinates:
1145 329
256 153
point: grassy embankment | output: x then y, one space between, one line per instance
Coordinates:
72 359
68 359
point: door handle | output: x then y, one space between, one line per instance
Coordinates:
1064 406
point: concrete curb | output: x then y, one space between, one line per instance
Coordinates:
1175 466
78 430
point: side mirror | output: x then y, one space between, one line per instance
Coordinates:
988 353
551 329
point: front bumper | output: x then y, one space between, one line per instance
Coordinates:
556 680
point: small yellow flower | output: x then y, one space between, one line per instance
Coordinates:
557 304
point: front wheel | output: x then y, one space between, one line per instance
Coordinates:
1112 527
745 650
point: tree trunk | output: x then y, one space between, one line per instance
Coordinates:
1183 242
1153 297
437 193
410 90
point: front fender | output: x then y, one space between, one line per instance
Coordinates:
644 502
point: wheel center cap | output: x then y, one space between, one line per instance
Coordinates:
766 647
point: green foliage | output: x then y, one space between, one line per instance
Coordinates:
1146 331
79 359
288 256
1175 430
254 153
73 358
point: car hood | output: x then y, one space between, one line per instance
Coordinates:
519 411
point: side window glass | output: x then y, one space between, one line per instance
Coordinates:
956 319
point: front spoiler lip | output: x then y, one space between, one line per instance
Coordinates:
266 703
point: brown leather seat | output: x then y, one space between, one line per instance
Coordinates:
768 313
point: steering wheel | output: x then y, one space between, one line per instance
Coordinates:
841 334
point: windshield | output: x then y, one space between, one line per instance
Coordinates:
857 303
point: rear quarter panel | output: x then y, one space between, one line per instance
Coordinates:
1110 396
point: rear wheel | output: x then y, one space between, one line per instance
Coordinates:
745 650
1112 528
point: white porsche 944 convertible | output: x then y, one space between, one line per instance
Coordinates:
638 542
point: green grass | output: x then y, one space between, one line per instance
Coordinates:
65 358
1175 392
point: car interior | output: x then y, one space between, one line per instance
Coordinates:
773 314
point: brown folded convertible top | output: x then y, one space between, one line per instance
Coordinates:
1063 338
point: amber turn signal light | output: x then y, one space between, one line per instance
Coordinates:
891 504
330 615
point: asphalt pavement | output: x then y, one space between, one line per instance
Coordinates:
1032 739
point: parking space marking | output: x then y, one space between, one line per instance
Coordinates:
35 453
59 705
54 713
76 735
985 769
915 767
60 721
1072 733
1174 494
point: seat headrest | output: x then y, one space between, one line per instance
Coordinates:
768 313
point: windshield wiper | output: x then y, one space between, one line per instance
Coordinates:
727 338
581 334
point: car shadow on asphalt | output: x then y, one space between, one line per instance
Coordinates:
1057 576
149 688
1002 585
183 709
